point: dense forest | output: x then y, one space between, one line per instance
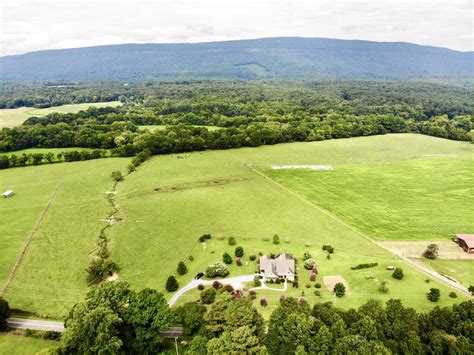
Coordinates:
247 114
130 322
287 58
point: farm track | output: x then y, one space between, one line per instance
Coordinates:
28 241
405 259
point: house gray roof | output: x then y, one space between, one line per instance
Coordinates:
282 265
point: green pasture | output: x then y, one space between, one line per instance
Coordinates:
169 202
51 277
460 270
12 117
418 199
21 345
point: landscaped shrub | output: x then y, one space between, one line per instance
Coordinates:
228 288
182 268
238 261
383 288
201 287
227 259
308 285
317 293
256 281
191 258
306 255
216 284
208 296
239 252
171 284
431 252
252 257
207 236
328 256
277 281
232 241
453 295
363 266
309 264
339 289
397 274
317 285
217 270
276 239
328 248
312 276
263 302
434 294
202 239
282 298
252 294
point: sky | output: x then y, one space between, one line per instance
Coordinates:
30 25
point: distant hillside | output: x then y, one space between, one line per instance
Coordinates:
286 58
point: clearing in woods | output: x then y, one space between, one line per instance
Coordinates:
160 229
11 117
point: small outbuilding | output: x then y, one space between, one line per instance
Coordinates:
465 241
8 194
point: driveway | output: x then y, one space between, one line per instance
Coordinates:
195 283
35 324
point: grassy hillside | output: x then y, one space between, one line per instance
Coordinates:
11 117
171 200
52 275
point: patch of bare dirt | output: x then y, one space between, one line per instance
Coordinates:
198 184
331 281
415 250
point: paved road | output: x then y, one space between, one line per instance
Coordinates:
195 283
35 324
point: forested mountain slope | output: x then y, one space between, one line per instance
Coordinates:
287 58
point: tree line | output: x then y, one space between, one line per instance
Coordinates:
116 319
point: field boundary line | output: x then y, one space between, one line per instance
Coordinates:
28 241
412 263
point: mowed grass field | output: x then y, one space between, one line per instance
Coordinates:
169 202
12 117
17 344
51 277
417 199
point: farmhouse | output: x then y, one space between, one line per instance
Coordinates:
465 241
8 193
283 266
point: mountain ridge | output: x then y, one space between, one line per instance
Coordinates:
274 57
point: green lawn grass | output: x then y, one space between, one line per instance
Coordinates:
21 345
52 275
16 116
215 192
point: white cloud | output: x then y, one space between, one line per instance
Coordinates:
28 25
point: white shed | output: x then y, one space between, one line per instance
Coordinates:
8 193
